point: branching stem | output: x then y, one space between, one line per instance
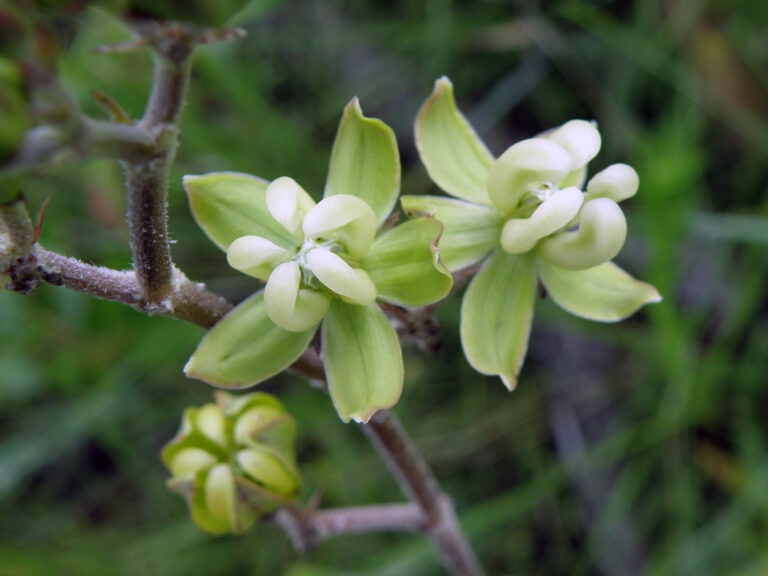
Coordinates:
158 287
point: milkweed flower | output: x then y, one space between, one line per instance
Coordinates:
324 264
234 461
525 217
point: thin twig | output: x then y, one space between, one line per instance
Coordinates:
308 528
157 287
418 483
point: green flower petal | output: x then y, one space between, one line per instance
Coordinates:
519 235
526 163
365 162
245 348
470 231
352 284
617 182
255 256
404 264
496 315
191 460
267 469
454 156
191 489
220 493
605 293
345 218
580 139
290 306
288 203
599 237
228 205
363 360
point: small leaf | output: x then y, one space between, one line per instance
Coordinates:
228 205
470 231
363 360
245 348
404 264
496 315
454 156
365 162
605 293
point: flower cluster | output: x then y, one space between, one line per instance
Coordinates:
524 215
324 264
234 461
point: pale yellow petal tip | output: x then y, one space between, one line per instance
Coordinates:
443 83
364 416
354 107
510 382
654 297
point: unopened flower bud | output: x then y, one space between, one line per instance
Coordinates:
234 461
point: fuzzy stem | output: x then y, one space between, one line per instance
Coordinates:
147 181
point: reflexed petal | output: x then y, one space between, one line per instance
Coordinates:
289 306
352 284
228 205
600 236
255 256
470 231
288 203
190 460
605 293
365 162
523 164
245 348
211 423
363 360
580 139
617 182
347 219
521 234
267 469
496 315
404 264
454 156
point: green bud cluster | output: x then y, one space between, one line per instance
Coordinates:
234 461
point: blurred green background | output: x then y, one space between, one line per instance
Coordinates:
637 448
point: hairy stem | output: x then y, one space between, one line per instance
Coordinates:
147 181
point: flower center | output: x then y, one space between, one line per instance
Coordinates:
308 278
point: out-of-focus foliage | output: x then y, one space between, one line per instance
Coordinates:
639 448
